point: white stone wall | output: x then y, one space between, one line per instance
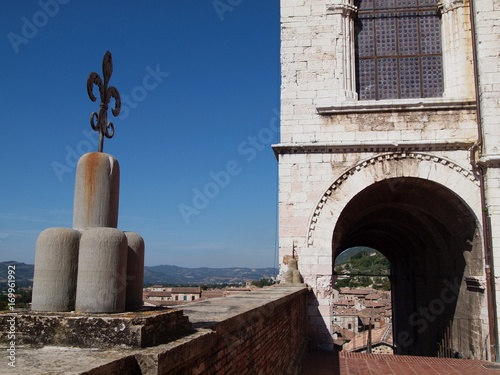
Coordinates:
325 131
487 27
456 47
313 67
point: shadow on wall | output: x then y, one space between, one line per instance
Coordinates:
321 362
317 330
321 358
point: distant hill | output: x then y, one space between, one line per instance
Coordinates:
347 254
23 275
362 267
164 274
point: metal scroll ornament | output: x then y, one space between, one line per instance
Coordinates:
99 121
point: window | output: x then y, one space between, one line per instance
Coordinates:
398 49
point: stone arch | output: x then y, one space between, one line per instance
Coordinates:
421 211
387 166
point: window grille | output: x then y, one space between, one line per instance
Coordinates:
398 49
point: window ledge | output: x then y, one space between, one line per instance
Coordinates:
396 105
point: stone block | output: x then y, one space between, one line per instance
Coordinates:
132 329
97 189
135 271
55 277
102 270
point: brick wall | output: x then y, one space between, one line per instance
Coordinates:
268 339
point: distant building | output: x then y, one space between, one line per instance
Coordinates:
381 341
186 294
357 311
158 295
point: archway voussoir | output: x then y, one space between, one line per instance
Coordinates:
384 167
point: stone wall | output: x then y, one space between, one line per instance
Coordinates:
259 332
336 152
269 339
487 27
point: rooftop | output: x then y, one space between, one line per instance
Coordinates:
319 363
360 341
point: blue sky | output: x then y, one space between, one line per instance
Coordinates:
199 82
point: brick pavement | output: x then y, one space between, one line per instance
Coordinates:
322 363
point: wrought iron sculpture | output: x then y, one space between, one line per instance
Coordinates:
99 121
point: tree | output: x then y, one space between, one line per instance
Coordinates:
263 282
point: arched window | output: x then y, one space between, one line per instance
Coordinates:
398 49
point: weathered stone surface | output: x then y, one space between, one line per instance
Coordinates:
132 329
172 358
97 191
102 271
70 361
135 271
56 262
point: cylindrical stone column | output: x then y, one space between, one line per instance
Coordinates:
97 191
102 270
56 262
135 271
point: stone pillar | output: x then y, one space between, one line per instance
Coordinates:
97 190
341 86
135 271
102 269
85 269
343 13
456 49
56 262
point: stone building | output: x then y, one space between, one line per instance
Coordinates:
389 139
162 294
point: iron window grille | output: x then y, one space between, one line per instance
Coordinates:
398 49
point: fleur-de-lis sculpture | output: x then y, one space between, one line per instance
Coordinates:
99 121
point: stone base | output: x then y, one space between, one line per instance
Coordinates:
138 329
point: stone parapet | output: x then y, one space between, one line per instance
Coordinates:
132 329
261 332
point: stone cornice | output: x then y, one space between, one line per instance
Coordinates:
397 105
334 148
344 8
449 5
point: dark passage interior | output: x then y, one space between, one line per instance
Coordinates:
432 241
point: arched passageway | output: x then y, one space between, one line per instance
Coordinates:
432 240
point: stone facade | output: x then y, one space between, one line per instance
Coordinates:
417 179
